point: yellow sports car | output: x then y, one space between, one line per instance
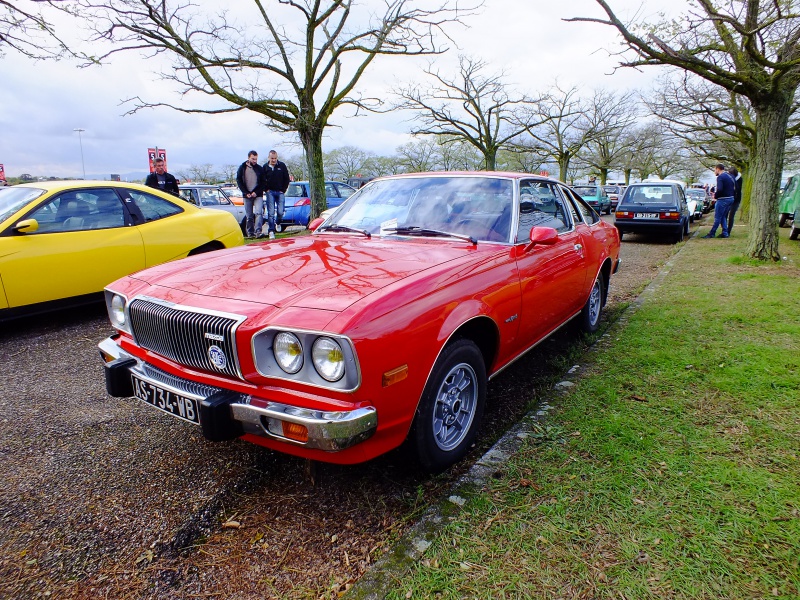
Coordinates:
62 242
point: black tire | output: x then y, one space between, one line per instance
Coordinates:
590 315
686 228
621 233
782 220
679 234
795 232
451 407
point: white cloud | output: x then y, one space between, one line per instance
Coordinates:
43 102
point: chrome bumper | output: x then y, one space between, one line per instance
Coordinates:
226 415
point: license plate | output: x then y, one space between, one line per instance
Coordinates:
170 402
645 215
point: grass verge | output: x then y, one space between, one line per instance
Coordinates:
669 471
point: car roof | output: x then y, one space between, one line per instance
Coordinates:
81 183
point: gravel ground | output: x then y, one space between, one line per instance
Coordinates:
103 498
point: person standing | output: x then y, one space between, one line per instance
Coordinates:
250 179
737 196
724 195
276 182
161 180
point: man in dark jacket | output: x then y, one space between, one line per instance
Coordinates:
250 179
276 182
726 188
161 180
737 196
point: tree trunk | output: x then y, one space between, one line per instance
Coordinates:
628 176
766 167
747 190
311 139
490 159
563 167
603 176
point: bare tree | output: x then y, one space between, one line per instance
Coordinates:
26 28
295 63
346 162
420 155
229 173
562 129
201 173
470 106
385 165
608 117
749 47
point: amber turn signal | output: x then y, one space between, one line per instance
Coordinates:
395 375
294 431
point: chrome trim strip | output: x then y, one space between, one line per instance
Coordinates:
529 348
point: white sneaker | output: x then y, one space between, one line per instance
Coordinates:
271 235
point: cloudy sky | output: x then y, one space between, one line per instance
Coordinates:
44 102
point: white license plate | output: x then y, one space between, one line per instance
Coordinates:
170 402
645 215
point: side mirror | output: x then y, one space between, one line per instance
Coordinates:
27 226
316 223
543 236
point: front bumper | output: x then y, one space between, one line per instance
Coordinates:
225 414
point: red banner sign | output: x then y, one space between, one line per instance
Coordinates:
2 173
152 154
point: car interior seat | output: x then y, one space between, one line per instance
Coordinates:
109 212
75 214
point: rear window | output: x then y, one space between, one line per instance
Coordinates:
650 194
295 190
585 190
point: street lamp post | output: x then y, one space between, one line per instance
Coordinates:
80 140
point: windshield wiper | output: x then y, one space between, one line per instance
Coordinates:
414 230
337 227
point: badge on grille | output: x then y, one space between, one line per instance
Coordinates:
217 357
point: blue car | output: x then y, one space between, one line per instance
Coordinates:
298 201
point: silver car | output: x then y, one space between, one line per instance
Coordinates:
212 196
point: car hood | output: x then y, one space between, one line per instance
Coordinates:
307 272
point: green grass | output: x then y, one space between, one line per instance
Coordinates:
672 470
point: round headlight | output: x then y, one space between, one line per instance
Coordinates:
117 312
288 352
328 359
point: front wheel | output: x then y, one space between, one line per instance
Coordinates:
590 315
450 410
782 220
795 232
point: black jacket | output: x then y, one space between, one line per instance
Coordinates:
277 178
170 183
737 189
259 189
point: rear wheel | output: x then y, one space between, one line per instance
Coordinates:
795 232
680 233
451 407
782 220
590 315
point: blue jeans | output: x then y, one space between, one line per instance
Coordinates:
276 202
254 211
721 209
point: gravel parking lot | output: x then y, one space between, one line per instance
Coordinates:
104 498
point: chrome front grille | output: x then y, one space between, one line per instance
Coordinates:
184 335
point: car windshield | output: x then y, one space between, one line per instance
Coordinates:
14 198
649 194
611 189
477 207
696 193
586 190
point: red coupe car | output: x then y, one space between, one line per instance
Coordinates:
383 326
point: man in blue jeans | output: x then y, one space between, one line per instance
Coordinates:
250 179
276 182
724 195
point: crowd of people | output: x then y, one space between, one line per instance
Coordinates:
263 190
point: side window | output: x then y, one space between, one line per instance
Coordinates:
344 190
587 212
152 207
188 195
576 218
540 205
209 197
78 211
330 191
